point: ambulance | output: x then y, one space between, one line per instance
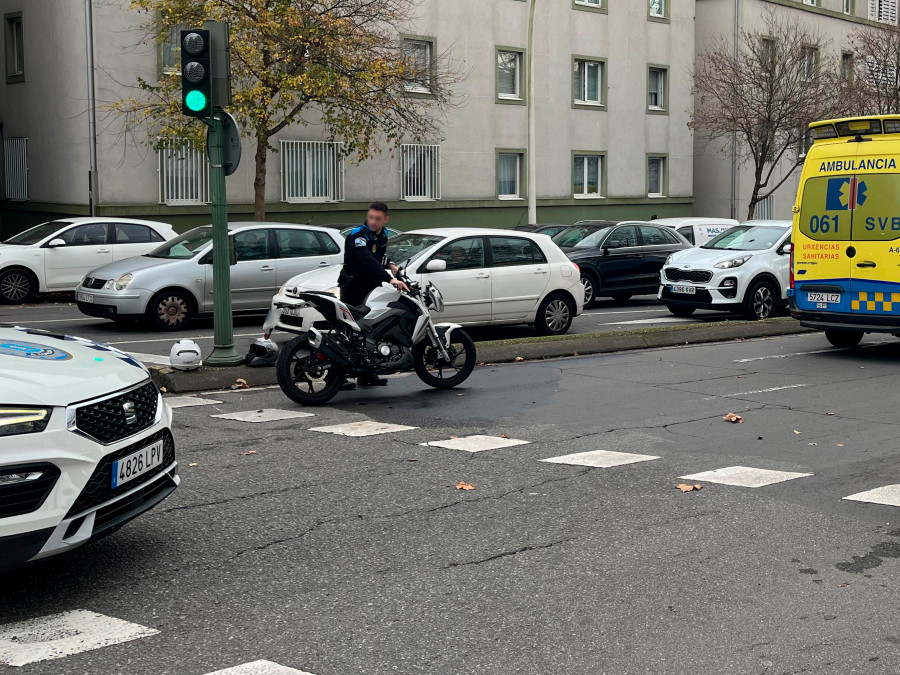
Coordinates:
845 271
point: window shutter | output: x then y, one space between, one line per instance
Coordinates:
507 73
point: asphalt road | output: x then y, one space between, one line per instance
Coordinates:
61 315
337 555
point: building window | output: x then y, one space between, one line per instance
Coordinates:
847 6
763 209
589 85
881 74
847 66
311 171
14 39
659 9
170 51
509 75
509 175
883 11
587 175
183 174
420 56
597 5
809 63
811 3
656 89
656 176
420 172
15 165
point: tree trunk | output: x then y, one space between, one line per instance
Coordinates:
259 179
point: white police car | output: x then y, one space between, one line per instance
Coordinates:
86 443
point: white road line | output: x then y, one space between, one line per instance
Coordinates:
60 320
59 635
889 495
627 311
153 359
260 668
757 391
266 415
477 443
174 339
602 459
188 401
783 356
745 476
363 429
665 319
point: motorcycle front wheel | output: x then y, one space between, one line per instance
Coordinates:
305 376
439 373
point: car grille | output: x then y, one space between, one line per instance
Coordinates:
26 496
137 502
93 282
99 486
106 420
695 276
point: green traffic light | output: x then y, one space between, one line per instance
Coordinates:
195 100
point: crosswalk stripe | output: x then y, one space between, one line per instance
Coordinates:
65 634
477 443
266 415
888 495
367 428
745 476
189 401
603 459
260 668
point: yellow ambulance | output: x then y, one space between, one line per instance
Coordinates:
845 272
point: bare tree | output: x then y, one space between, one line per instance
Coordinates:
781 80
872 62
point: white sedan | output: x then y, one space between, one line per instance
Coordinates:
55 256
492 278
86 441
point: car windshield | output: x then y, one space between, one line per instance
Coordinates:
746 238
402 248
186 246
572 236
36 233
594 238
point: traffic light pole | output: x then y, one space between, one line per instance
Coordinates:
223 353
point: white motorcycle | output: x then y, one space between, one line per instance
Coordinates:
376 338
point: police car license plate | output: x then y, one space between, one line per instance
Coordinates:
824 298
84 297
689 290
136 464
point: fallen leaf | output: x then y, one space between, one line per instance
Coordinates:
813 443
437 418
460 394
843 585
830 414
413 459
796 432
462 485
193 464
734 418
840 445
454 437
574 353
164 390
687 487
504 435
519 358
240 383
250 452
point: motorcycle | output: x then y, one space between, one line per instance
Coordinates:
378 338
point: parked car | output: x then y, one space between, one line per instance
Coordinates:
174 283
698 230
86 443
492 278
745 269
55 256
619 259
549 230
389 231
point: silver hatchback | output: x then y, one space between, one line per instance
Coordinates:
174 283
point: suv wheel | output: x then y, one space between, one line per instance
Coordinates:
16 286
844 338
554 315
590 289
761 301
680 310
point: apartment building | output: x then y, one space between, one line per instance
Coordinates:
723 186
611 98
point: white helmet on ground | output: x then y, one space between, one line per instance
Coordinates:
185 355
263 352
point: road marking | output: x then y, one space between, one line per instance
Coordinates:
189 401
65 634
477 443
627 311
174 339
665 319
745 476
153 359
602 459
260 668
60 320
889 495
367 428
757 391
266 415
783 356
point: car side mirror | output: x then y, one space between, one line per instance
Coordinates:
436 265
786 249
56 243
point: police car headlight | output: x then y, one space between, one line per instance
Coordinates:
124 281
17 420
734 262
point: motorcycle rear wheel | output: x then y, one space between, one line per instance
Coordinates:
304 377
440 374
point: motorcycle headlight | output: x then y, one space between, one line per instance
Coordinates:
19 420
734 262
335 291
124 281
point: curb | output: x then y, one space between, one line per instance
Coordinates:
505 351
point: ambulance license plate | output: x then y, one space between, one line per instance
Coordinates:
824 298
689 290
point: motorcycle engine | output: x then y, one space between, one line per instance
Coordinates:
384 352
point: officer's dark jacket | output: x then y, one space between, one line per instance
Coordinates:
365 259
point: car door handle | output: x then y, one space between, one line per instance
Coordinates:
266 268
324 263
483 275
866 263
102 250
540 271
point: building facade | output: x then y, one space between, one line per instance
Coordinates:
723 186
611 99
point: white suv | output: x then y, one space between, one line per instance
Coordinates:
745 270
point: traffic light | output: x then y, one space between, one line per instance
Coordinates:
196 78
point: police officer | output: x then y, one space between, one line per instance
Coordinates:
366 267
